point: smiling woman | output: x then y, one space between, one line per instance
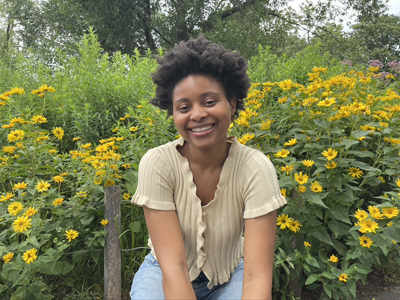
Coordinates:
200 191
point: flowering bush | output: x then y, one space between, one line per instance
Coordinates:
335 144
51 203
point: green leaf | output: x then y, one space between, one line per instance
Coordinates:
380 241
393 233
312 261
361 153
321 234
311 279
48 267
315 199
364 166
340 213
3 288
347 143
328 289
135 226
334 227
352 288
86 221
36 288
33 241
328 275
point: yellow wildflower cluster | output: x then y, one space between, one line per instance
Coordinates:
285 222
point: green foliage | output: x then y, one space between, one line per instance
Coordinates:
96 107
335 145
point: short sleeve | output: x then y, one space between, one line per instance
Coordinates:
261 188
155 182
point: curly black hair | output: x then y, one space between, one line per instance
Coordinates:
201 57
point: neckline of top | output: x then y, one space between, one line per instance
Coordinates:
226 170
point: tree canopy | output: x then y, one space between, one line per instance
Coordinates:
242 25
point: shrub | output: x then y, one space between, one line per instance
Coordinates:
335 144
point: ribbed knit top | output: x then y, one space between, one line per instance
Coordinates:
212 234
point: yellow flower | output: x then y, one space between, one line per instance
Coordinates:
14 208
266 125
282 153
58 132
327 102
245 138
7 258
42 186
22 224
20 186
302 189
390 224
330 154
331 165
75 139
365 241
9 149
126 166
308 163
361 215
390 212
382 179
86 146
57 201
127 196
291 142
398 179
58 179
333 259
287 169
368 226
355 172
375 212
343 277
307 244
109 182
283 192
300 178
8 196
316 187
52 151
15 135
30 212
104 222
282 100
133 128
71 234
38 119
295 226
284 221
29 256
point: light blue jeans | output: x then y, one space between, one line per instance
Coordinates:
147 284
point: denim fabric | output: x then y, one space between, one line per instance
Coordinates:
147 284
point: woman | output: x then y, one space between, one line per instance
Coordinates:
199 191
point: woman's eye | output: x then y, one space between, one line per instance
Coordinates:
183 108
210 102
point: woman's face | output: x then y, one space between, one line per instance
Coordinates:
201 111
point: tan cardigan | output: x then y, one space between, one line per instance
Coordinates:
212 234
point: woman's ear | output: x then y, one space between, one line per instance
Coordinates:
233 106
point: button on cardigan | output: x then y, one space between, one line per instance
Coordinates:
212 234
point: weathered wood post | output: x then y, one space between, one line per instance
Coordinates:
112 248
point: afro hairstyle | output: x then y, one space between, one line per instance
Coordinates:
201 57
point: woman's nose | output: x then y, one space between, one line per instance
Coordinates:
198 112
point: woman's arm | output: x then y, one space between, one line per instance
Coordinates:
167 240
259 247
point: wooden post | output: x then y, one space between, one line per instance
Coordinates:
112 248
